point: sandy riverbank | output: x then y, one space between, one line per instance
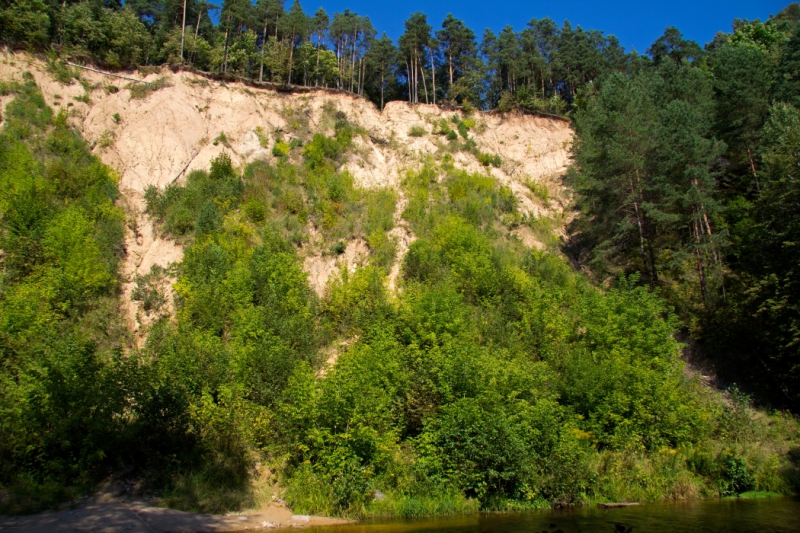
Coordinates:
139 516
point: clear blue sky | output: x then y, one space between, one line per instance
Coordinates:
636 24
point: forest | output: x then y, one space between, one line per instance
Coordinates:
500 377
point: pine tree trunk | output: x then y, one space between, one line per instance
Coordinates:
263 47
701 270
433 75
196 32
640 227
363 75
450 56
183 28
316 71
225 63
416 80
753 166
648 230
415 84
408 81
352 68
424 84
61 23
291 55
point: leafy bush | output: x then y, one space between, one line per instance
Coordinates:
143 90
280 149
221 138
202 203
150 291
339 248
417 131
255 210
539 190
61 235
489 159
383 248
60 70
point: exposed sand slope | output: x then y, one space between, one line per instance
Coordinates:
156 140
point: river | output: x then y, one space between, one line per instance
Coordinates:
773 515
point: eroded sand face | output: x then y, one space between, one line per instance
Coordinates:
158 139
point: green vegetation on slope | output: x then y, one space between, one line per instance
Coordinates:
684 158
498 378
63 411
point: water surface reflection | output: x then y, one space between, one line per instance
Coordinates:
775 515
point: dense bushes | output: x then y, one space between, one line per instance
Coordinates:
501 376
497 377
60 233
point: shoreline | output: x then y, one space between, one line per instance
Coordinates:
140 516
137 515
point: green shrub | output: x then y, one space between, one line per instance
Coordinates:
106 139
382 247
323 151
8 87
540 190
150 291
380 207
489 159
144 89
417 131
202 203
221 138
255 210
281 149
338 248
60 70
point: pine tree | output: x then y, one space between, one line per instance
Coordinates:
296 25
458 45
413 43
381 59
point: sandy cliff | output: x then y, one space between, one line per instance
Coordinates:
157 139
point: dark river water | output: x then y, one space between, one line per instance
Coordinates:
773 515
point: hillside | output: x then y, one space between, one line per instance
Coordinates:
159 139
221 296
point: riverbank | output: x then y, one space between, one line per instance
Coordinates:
137 515
691 516
141 516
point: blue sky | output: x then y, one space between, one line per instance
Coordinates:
636 24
